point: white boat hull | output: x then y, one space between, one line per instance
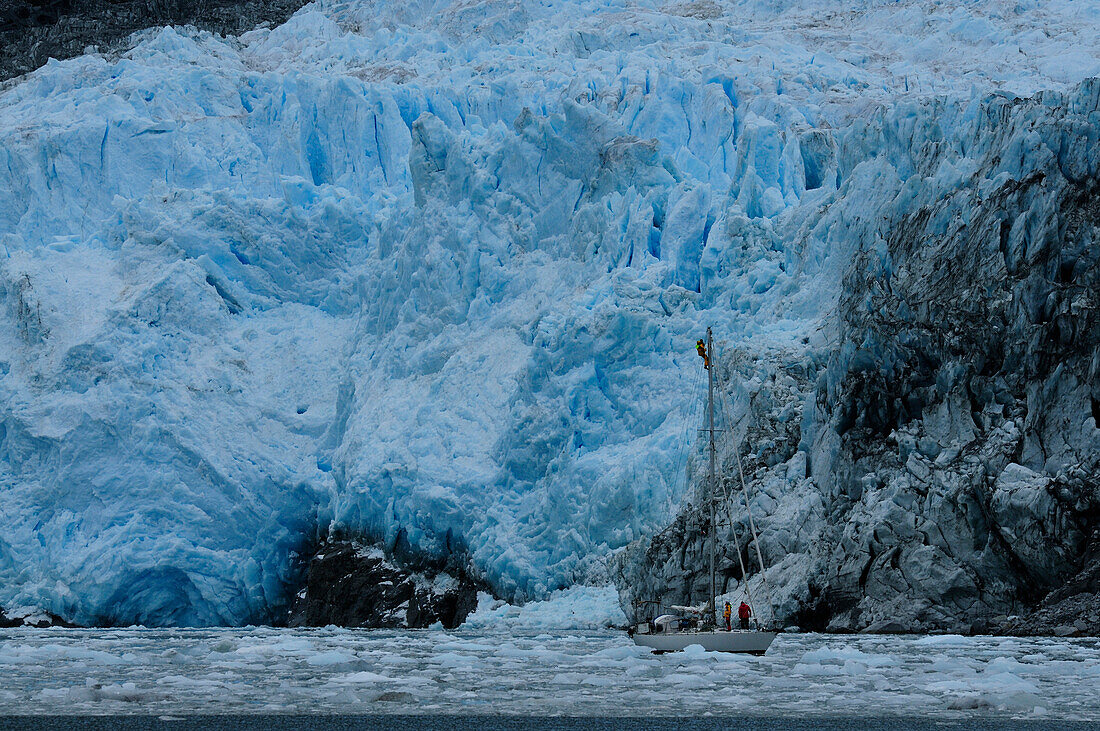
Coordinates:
750 641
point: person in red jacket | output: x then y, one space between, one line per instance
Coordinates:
744 612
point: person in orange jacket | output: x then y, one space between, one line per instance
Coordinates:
701 347
726 615
743 613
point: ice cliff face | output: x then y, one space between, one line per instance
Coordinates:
433 273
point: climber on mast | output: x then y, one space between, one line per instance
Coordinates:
702 348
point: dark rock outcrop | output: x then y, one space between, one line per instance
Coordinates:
34 31
40 620
352 584
1072 609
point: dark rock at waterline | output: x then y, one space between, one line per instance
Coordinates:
350 584
39 620
1072 610
34 31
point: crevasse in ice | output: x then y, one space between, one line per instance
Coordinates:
429 271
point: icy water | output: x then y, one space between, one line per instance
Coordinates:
601 675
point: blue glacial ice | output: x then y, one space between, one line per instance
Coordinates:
431 271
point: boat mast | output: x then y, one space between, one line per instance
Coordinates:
712 491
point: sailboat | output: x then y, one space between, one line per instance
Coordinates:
698 625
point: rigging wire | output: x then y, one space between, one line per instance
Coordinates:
726 495
745 495
693 404
737 548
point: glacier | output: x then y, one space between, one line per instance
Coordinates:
432 272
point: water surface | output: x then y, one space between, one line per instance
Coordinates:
600 675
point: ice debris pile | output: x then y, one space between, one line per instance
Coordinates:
432 272
575 608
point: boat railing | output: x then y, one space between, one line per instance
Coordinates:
647 611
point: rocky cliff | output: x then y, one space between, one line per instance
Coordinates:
933 463
352 583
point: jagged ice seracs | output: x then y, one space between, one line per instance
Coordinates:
432 272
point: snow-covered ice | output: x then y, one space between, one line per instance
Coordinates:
430 271
497 671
